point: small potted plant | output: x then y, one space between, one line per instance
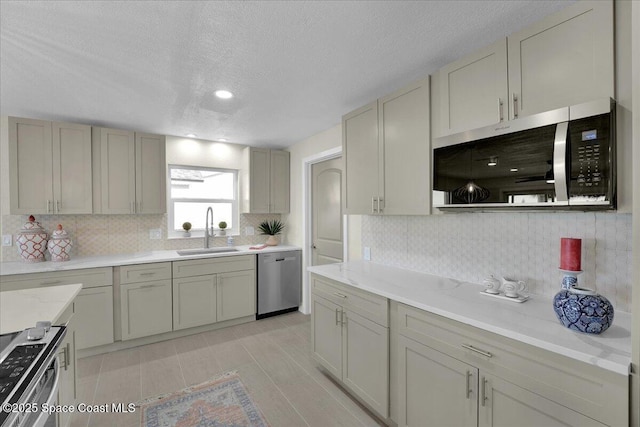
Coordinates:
223 228
271 229
186 226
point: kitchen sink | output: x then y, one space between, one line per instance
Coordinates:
201 251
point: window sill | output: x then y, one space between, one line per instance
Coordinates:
200 235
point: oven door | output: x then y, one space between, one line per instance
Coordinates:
45 394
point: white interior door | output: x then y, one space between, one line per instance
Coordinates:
326 208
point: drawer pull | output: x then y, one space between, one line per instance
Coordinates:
148 274
472 348
339 295
55 282
149 286
468 392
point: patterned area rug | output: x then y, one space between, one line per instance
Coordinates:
223 402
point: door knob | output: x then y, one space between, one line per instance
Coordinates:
314 247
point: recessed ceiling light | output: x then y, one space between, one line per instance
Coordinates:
551 181
514 169
492 163
191 135
223 94
222 139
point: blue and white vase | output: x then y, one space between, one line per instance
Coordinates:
583 310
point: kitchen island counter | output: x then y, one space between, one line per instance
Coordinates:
22 309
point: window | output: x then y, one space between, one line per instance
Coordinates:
194 189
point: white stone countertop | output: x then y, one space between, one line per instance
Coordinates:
22 309
18 267
533 322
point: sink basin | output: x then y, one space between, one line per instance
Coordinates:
201 251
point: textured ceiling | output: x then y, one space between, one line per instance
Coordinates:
295 66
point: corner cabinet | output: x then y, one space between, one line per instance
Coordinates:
452 374
562 60
265 180
387 152
350 339
49 167
129 172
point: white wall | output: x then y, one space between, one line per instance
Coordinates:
323 141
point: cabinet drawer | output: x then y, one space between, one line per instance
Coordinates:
145 272
371 306
201 267
573 384
90 278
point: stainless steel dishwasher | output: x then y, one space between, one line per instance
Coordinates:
279 283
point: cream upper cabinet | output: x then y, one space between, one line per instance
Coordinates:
129 172
151 174
563 60
403 119
472 92
362 160
50 167
386 147
265 177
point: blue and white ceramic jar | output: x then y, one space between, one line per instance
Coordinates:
583 310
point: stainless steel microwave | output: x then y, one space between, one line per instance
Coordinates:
560 159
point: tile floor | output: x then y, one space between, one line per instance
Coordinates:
271 356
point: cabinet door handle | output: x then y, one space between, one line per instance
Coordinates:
500 113
65 353
468 391
477 350
48 206
380 204
373 205
339 295
342 317
337 321
58 206
515 105
483 397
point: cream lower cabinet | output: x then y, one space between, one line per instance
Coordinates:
206 291
93 305
235 295
194 301
350 345
94 309
67 382
145 300
451 374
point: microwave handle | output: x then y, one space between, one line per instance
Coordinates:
560 167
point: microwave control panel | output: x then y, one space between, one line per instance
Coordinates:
590 157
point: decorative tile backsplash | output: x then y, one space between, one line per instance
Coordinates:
524 246
114 234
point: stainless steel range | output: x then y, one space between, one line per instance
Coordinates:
29 375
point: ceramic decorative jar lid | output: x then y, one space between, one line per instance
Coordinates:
32 241
60 245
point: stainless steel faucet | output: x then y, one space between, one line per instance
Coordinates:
208 227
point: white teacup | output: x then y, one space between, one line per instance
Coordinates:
512 288
491 285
